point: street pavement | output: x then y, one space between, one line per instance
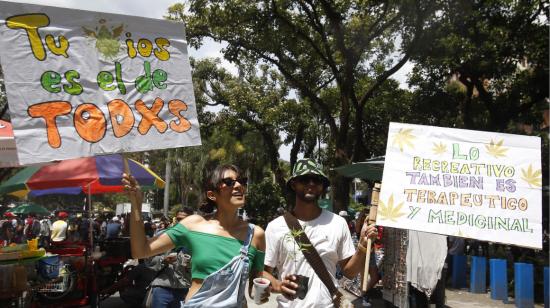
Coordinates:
455 299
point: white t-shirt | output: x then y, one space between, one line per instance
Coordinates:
329 233
59 231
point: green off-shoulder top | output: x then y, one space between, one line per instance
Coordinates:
210 252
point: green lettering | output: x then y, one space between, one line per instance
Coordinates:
159 77
105 81
50 81
73 88
480 222
501 223
456 152
414 211
461 218
435 215
516 225
449 218
120 83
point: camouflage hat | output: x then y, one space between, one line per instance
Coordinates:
307 166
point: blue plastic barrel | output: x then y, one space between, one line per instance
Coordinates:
458 277
478 274
523 276
546 286
499 279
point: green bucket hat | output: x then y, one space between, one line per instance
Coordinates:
307 166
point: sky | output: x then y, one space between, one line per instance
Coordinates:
157 9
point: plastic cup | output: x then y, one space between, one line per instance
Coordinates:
33 244
260 284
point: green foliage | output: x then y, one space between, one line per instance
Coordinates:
262 201
484 63
316 46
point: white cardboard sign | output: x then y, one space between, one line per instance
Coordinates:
465 183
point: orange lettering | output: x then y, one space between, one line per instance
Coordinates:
49 111
150 116
118 108
89 122
176 106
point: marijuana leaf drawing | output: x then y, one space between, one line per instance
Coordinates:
496 149
439 149
404 137
389 211
532 177
107 40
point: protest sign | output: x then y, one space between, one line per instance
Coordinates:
81 83
465 183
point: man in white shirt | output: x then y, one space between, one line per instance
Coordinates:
327 232
59 228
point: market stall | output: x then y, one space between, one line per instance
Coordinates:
85 271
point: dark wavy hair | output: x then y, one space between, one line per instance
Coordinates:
212 183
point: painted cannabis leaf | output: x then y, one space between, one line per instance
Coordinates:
107 39
439 149
390 211
532 177
404 138
496 149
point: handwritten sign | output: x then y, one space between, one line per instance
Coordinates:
465 183
82 83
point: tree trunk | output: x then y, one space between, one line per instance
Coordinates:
340 184
340 192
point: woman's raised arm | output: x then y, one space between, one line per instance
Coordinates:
141 246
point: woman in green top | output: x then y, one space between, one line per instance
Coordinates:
212 242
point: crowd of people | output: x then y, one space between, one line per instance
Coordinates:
64 227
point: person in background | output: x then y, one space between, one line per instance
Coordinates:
183 213
7 232
32 227
148 225
73 221
84 227
222 241
103 227
328 233
59 228
172 284
12 218
19 232
349 222
161 228
113 228
45 232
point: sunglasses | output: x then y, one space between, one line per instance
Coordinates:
305 179
231 182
